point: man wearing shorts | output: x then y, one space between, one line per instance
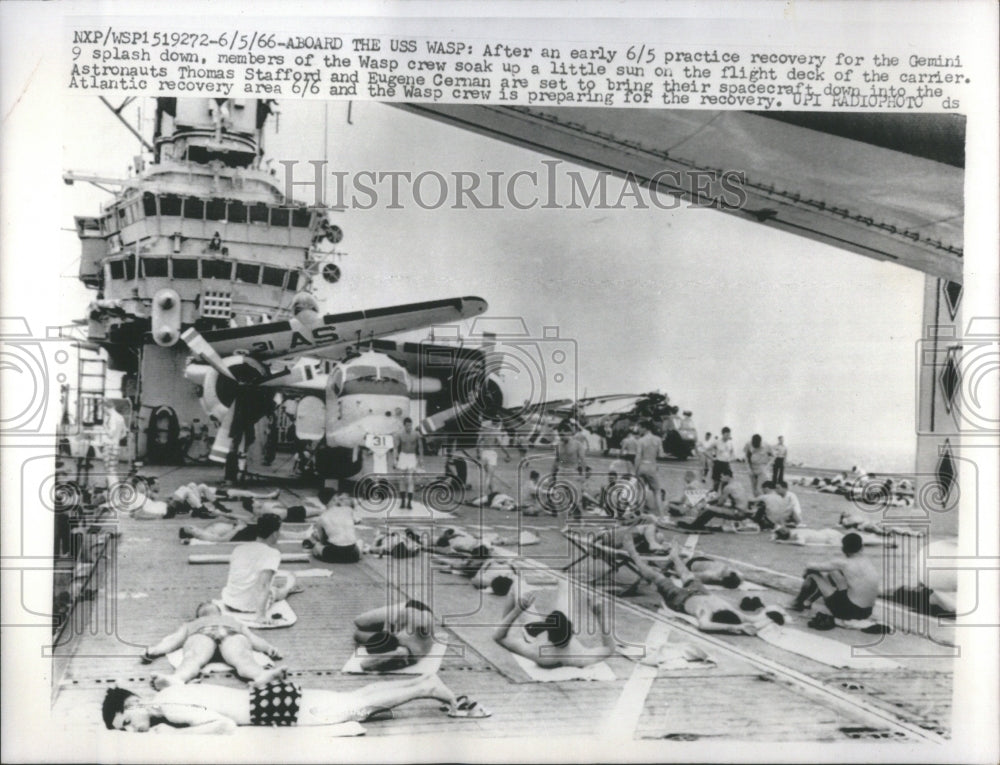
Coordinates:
334 538
848 584
629 447
206 708
409 450
489 441
568 463
650 448
723 452
210 636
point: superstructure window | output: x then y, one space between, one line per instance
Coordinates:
247 272
154 266
237 212
301 217
258 213
216 269
216 209
293 281
117 269
149 205
130 267
185 268
194 208
273 277
170 204
279 216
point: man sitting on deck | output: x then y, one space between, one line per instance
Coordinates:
206 708
560 647
213 636
334 538
395 636
732 504
693 499
848 584
255 581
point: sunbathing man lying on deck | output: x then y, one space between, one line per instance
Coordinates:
858 523
397 543
214 636
691 597
236 530
396 636
823 537
193 498
551 641
498 575
206 708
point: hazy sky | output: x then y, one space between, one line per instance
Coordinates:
748 327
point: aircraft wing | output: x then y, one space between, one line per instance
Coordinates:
331 335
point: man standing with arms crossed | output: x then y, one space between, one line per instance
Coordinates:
409 450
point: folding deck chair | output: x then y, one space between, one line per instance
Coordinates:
588 547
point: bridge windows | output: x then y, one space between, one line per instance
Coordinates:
216 209
194 208
258 213
217 269
248 273
273 277
170 205
155 267
280 216
149 204
185 268
237 212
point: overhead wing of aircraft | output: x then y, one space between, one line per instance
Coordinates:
331 335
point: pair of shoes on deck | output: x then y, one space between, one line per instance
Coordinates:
465 707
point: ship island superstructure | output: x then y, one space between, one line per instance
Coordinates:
207 220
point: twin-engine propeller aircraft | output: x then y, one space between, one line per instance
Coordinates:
367 392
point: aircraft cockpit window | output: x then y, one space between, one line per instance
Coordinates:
392 373
361 372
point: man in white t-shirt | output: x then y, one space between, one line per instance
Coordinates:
254 580
792 508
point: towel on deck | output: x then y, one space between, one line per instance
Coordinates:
600 671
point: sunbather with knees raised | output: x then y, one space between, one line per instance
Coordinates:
546 635
206 708
691 597
214 636
398 543
395 636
